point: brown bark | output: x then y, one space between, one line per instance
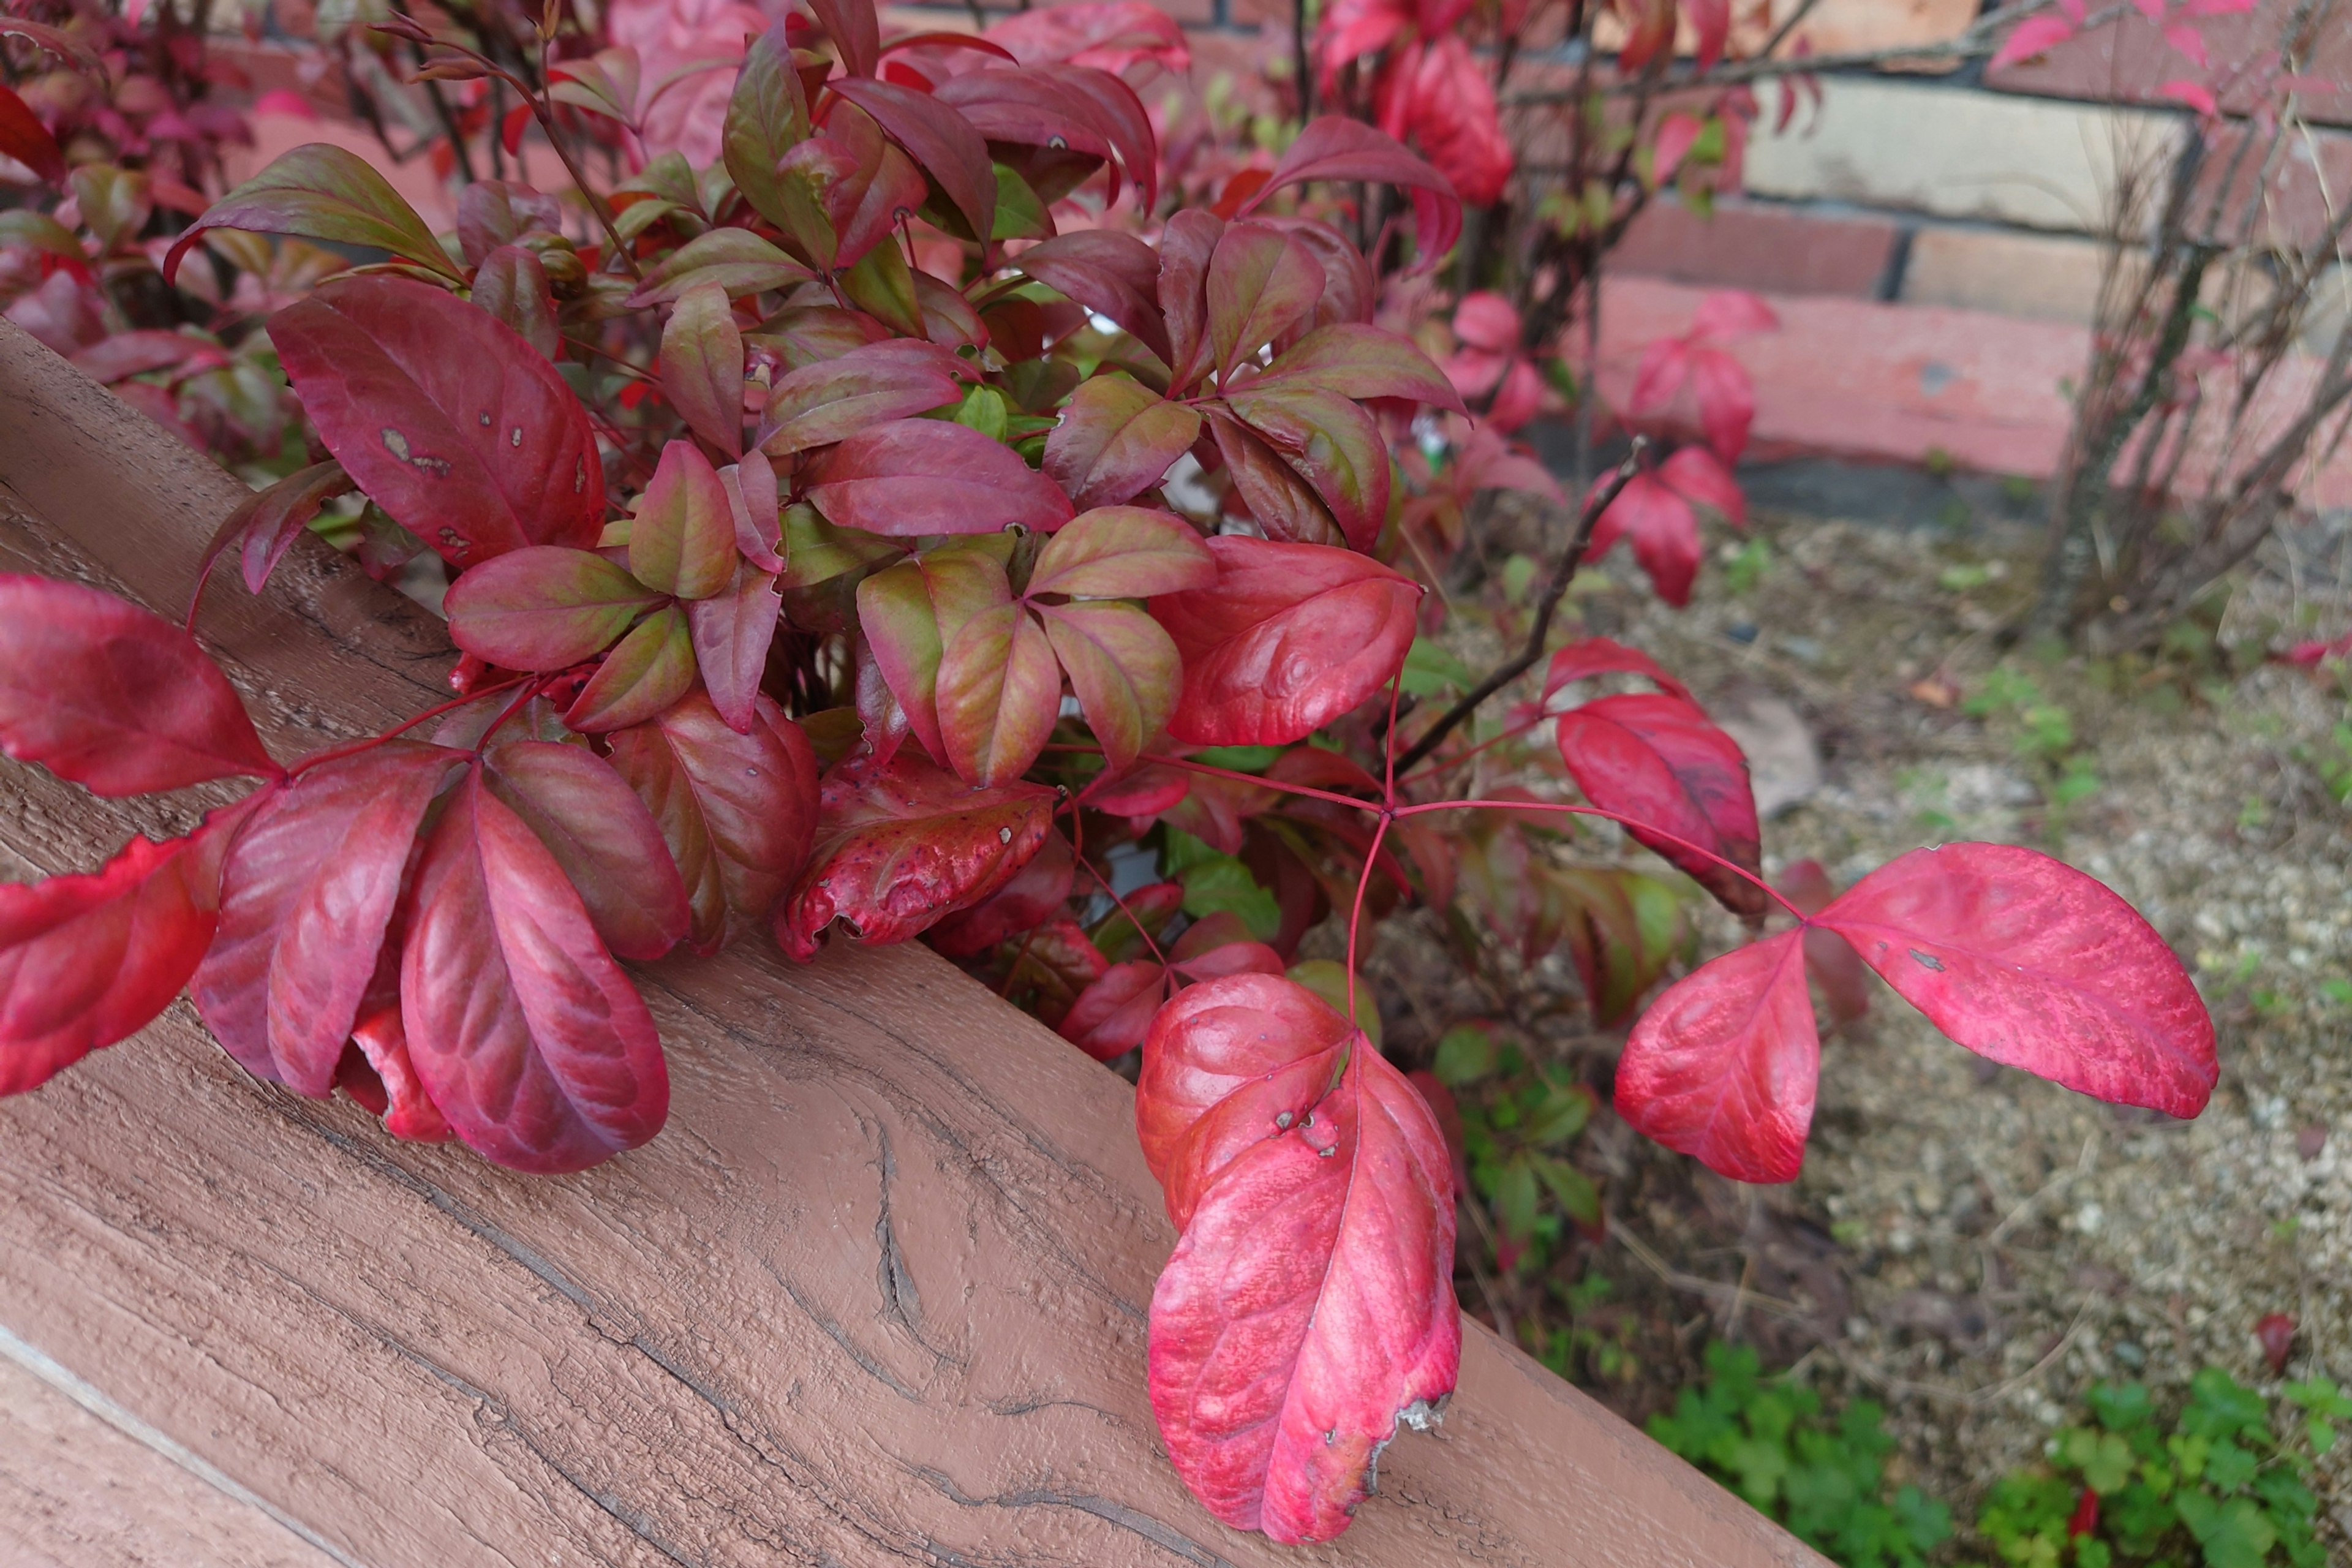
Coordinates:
877 1294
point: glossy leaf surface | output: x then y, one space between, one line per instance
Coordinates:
544 608
1662 762
926 476
682 539
601 834
1116 440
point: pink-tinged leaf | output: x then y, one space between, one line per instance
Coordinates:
24 138
1677 133
1334 147
447 419
492 213
1309 1308
1665 364
834 399
1724 1066
523 1030
757 508
113 697
735 260
1111 35
947 145
767 115
1123 668
1291 637
1334 445
1116 440
1356 360
702 366
999 688
1114 274
1517 400
1711 20
383 1080
307 894
1439 94
1121 116
1273 492
511 285
1694 474
927 476
1261 284
1186 243
2190 41
1486 320
1033 109
682 539
2027 961
607 842
1123 553
855 31
1031 898
1726 398
2196 95
737 811
1662 762
903 844
142 353
1111 1016
544 608
266 525
324 193
1588 657
1665 533
2034 36
647 671
87 960
900 623
1350 289
2275 1332
1731 313
1830 959
732 633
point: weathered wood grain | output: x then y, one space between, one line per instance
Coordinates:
878 1295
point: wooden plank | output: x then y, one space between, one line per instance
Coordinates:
878 1295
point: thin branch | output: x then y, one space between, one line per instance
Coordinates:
1556 590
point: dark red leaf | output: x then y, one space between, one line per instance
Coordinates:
947 145
1112 273
1662 762
1588 657
450 422
929 476
903 844
24 138
1830 959
492 213
1332 442
1309 1306
2275 1334
2027 961
836 398
1334 147
544 608
1186 244
308 892
737 811
1111 1015
87 960
511 285
523 1030
114 698
1356 360
732 634
855 31
1291 637
266 526
1122 117
609 845
1261 284
1724 1066
1116 440
1272 493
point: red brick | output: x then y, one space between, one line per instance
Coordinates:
2128 62
1770 250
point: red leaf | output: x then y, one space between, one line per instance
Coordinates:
2195 94
450 422
544 608
1116 440
1588 656
1186 243
1333 444
1114 274
266 526
608 844
1730 313
87 960
24 138
1261 284
1649 28
1309 1305
1111 1015
1334 147
1664 532
1123 553
927 476
1034 109
1486 320
308 891
2034 36
384 1079
1439 94
1662 762
2026 961
1724 1066
948 146
702 366
2085 1518
1271 491
1291 637
855 31
732 634
524 1032
902 844
682 539
1712 21
1665 363
834 398
1111 35
1031 898
1830 959
113 697
1122 117
1694 474
1357 359
737 811
2275 1334
511 285
1727 401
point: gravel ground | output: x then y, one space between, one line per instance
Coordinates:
1968 1244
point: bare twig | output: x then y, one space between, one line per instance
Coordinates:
1554 591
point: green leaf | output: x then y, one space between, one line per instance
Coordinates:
1430 669
1214 881
767 115
1571 1189
1465 1054
2235 1534
1515 1199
